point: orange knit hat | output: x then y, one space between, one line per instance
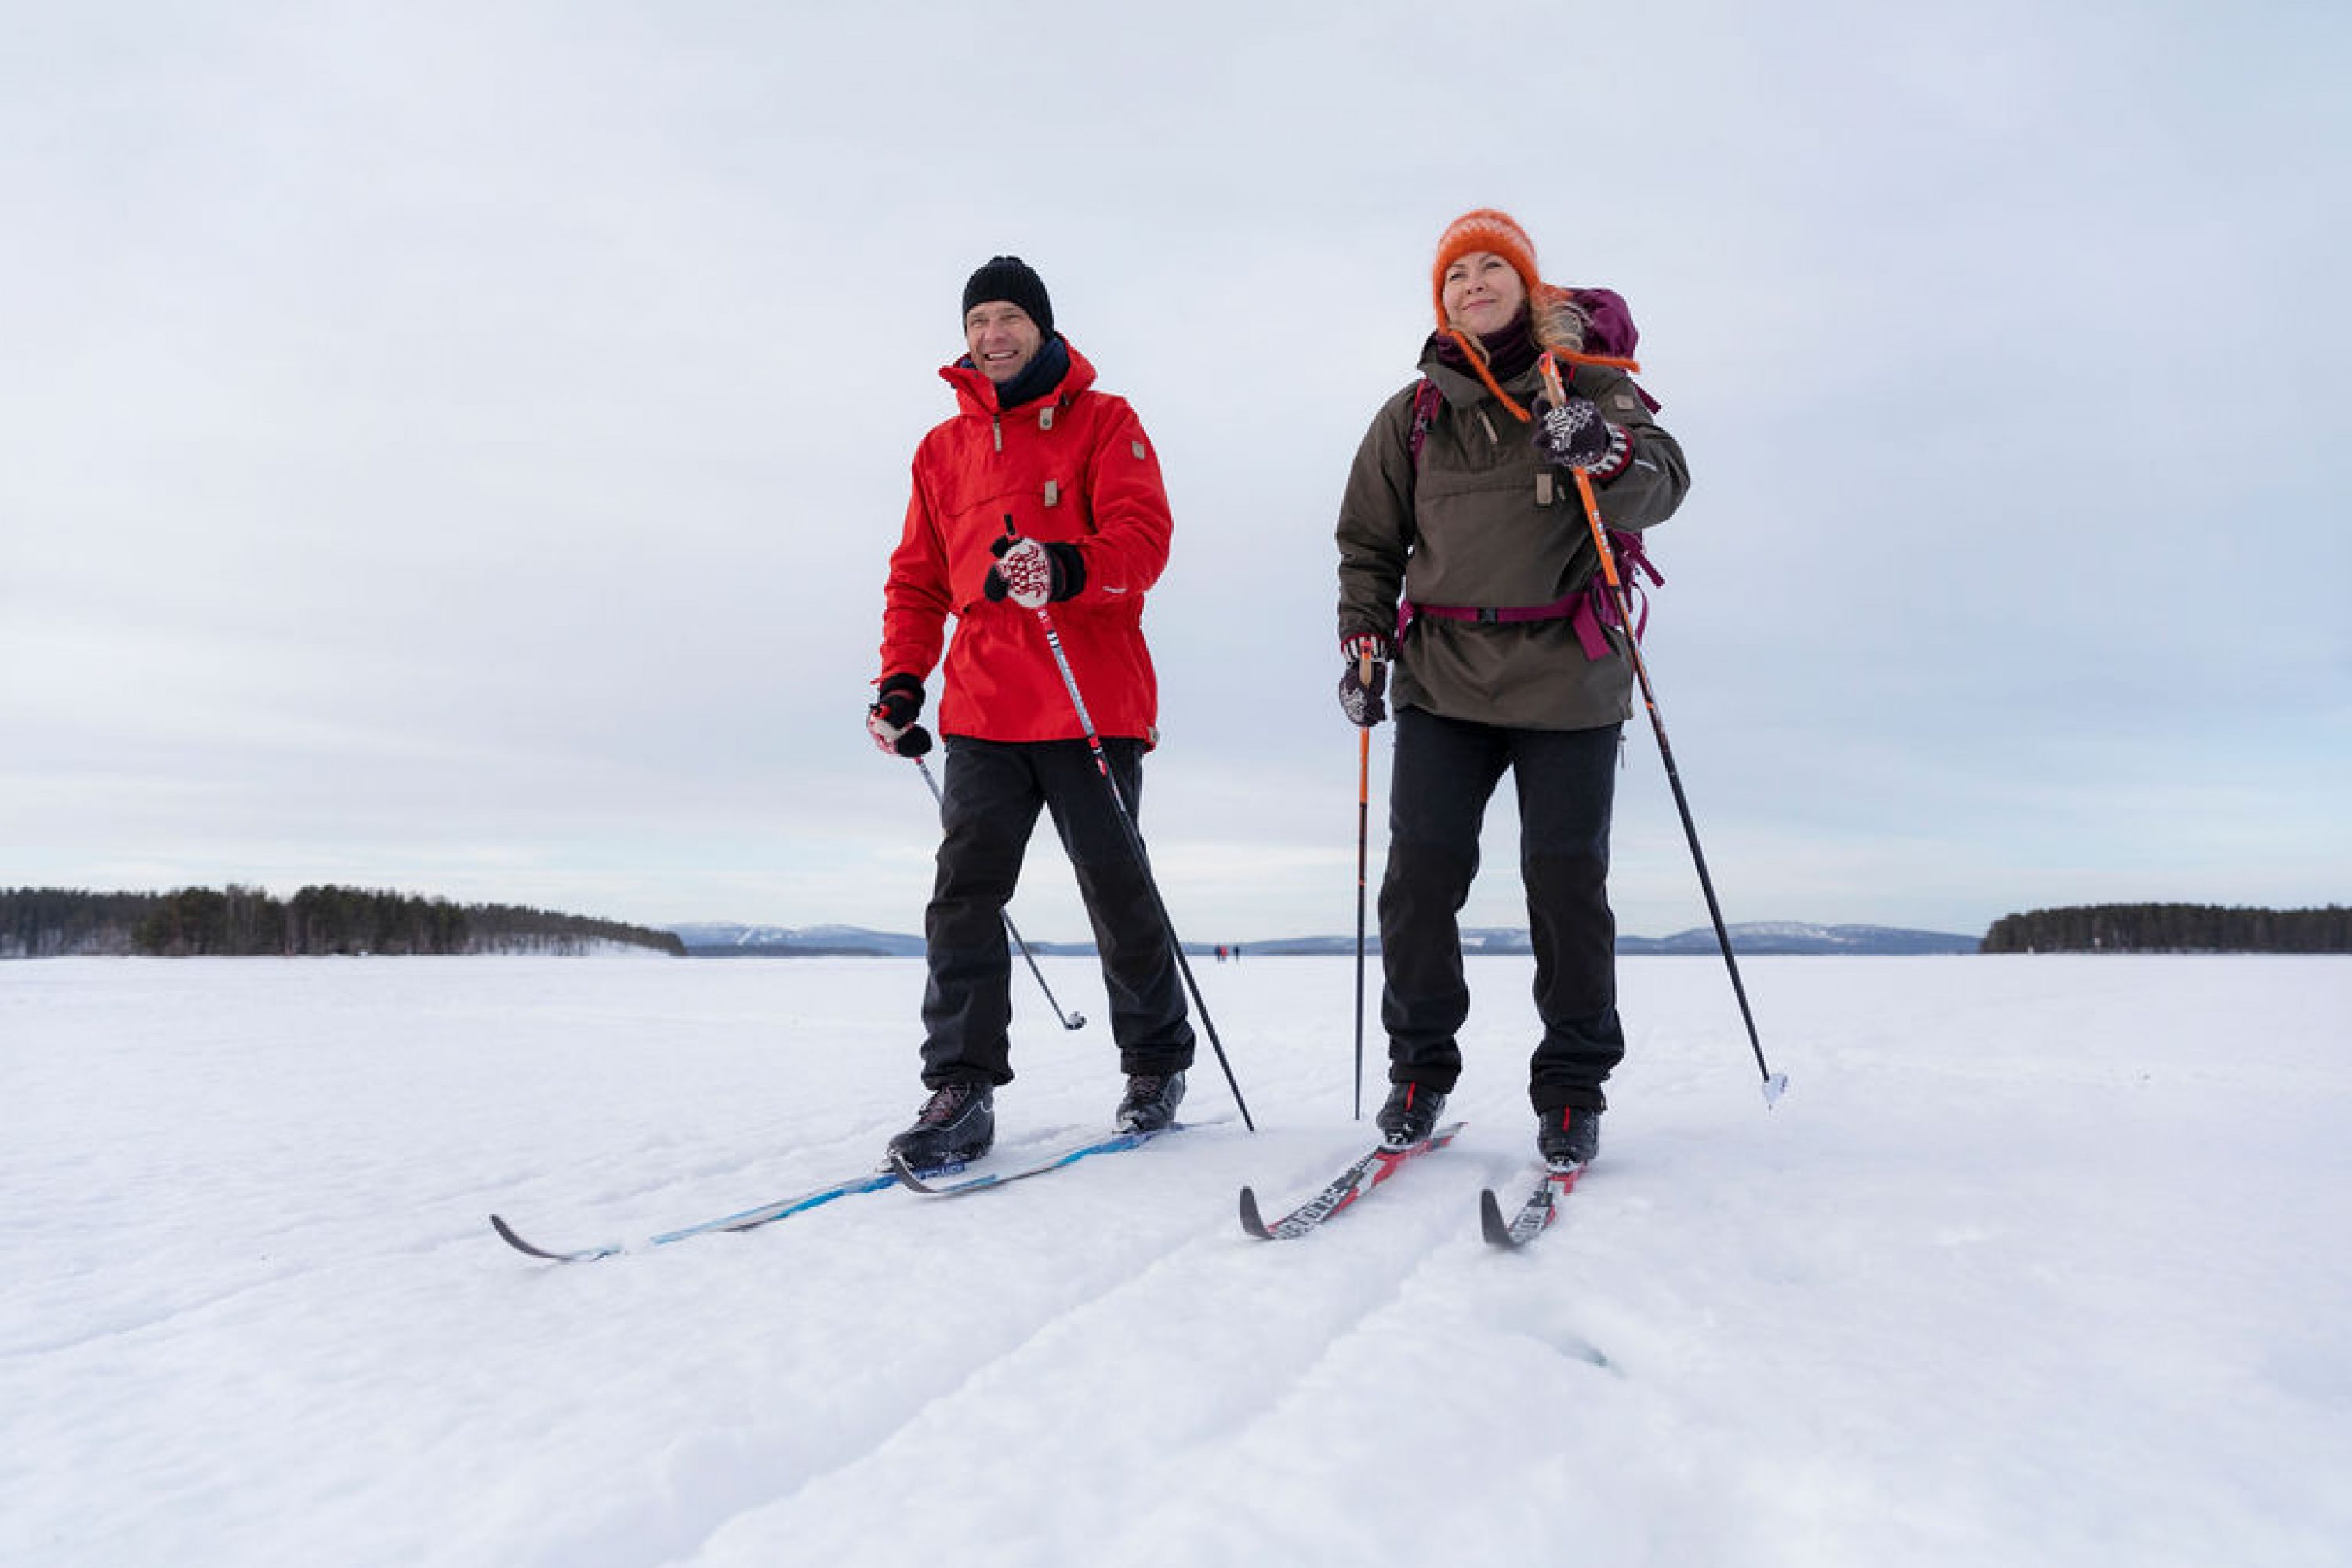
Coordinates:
1483 229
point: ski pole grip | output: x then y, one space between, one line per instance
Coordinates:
1557 390
1553 387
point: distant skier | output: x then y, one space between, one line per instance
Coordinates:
1462 512
1039 490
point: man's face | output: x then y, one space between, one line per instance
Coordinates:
1001 338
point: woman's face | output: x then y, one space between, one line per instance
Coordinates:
1482 292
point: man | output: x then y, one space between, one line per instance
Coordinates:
1040 490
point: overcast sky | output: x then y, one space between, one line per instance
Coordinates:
455 446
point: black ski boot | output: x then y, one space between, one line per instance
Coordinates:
957 1124
1568 1136
1410 1115
1150 1101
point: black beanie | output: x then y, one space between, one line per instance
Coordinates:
1009 278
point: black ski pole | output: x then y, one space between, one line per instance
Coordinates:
1775 1084
1069 1020
1135 843
1364 839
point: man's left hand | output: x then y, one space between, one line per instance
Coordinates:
1031 574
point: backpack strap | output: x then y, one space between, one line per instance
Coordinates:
1426 401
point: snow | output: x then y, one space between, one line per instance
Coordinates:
2041 1260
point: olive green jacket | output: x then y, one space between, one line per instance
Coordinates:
1483 520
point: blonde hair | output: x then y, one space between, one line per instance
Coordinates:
1556 319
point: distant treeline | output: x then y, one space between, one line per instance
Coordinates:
2172 928
201 922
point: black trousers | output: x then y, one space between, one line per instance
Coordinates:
991 796
1445 771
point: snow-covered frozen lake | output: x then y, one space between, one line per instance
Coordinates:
2042 1261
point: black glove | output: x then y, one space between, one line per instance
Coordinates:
1031 573
1574 436
1359 698
891 720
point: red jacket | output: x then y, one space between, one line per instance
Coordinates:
1074 467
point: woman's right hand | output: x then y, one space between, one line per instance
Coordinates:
1366 678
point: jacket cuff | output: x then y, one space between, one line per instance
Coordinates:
1619 457
1069 571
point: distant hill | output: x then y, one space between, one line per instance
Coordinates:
1768 938
1474 939
723 941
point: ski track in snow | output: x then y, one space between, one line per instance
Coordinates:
2037 1262
1183 1368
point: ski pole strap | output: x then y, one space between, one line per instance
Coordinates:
1634 563
1587 610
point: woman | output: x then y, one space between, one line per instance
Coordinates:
1466 555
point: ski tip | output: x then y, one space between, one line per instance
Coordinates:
1490 1218
1250 1220
508 1234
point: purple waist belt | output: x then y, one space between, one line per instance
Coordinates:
1587 609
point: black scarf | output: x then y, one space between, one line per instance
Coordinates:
1041 375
